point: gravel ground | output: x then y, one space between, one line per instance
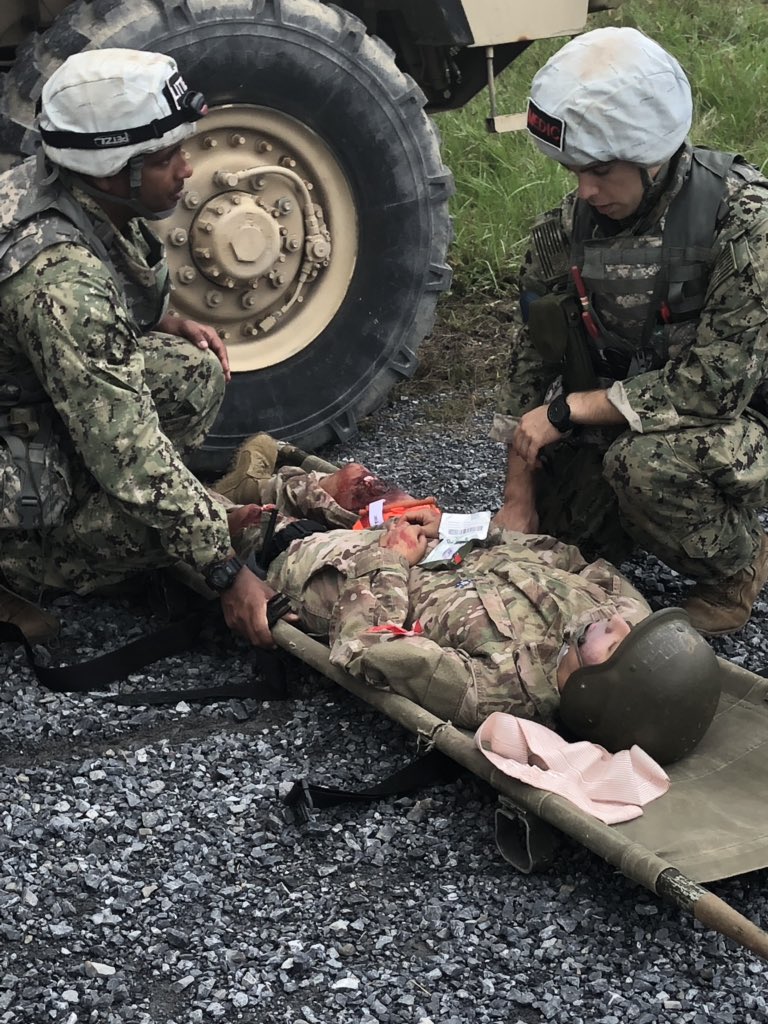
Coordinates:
149 873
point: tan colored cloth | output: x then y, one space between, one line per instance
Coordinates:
612 787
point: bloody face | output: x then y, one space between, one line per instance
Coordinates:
354 487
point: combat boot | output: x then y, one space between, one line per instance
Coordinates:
289 455
254 461
36 625
719 608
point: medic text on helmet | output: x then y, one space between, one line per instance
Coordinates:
546 127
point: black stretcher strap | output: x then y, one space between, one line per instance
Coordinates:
97 673
433 767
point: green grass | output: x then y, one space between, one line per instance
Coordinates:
503 181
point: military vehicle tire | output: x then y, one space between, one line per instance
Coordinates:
315 69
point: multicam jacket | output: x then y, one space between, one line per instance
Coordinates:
74 320
702 341
482 636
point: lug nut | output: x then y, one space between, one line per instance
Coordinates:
191 200
213 299
237 140
178 236
187 275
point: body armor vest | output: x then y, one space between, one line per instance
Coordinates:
645 291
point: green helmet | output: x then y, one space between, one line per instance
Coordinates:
659 689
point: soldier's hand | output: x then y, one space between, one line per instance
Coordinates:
407 539
241 517
201 335
534 432
427 517
245 608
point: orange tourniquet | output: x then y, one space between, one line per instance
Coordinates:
392 511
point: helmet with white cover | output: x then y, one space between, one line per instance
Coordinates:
610 94
102 109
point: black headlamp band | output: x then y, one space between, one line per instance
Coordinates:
191 107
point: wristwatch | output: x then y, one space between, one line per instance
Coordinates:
221 575
559 414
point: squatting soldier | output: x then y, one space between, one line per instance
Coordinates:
636 410
101 390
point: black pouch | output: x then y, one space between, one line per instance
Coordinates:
557 333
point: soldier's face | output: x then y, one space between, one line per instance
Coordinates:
614 190
162 181
593 647
162 178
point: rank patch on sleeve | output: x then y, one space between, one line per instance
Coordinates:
545 126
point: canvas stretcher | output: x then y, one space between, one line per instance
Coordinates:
710 825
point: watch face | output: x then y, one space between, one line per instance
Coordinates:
558 414
222 576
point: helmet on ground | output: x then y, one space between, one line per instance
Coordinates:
610 94
101 109
659 690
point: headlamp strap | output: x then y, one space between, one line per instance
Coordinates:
186 107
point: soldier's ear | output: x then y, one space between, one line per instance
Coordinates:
113 185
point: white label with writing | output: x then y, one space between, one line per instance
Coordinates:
376 513
461 528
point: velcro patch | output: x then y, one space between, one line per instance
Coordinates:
545 126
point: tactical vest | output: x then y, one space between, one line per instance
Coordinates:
37 213
647 290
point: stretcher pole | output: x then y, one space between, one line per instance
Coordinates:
633 860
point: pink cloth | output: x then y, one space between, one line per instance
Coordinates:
612 787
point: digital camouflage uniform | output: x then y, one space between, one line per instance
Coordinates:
691 471
492 627
128 401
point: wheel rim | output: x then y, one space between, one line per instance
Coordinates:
240 254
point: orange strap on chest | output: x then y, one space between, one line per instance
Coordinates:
394 510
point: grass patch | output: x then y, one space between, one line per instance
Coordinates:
502 182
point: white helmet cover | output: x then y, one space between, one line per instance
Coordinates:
610 94
101 108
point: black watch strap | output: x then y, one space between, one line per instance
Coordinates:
559 414
222 575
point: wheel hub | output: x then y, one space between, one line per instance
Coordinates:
264 241
235 239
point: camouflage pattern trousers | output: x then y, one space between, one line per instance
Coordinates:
690 497
98 543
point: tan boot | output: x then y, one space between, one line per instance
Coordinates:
254 461
36 625
719 608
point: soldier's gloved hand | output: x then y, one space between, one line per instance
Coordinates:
245 608
406 539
